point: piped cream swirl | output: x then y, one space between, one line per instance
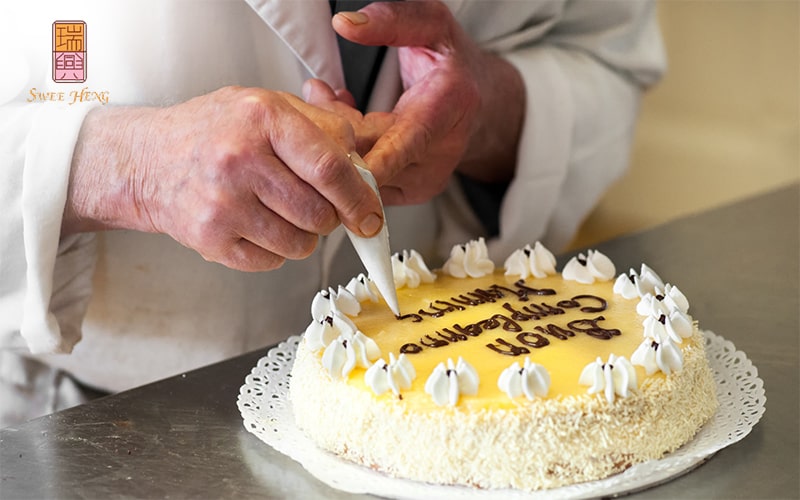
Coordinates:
617 377
319 334
362 288
395 375
666 315
537 261
532 380
409 270
639 284
470 260
587 268
327 301
347 351
448 382
664 356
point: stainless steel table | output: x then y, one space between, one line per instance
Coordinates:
183 437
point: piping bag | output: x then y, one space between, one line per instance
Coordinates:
374 252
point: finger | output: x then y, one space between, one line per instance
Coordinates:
397 24
399 196
317 159
334 118
294 200
249 257
319 93
266 229
433 107
414 185
216 227
370 128
346 97
316 91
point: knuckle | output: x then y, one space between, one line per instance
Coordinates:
439 12
327 167
253 104
204 237
224 158
339 122
208 228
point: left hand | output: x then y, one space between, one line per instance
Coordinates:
450 113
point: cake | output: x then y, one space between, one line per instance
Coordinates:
515 377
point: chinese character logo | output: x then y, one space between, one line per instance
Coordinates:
69 51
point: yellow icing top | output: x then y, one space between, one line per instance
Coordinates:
564 359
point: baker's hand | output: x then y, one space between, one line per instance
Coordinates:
461 106
246 177
367 128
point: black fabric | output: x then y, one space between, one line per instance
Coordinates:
361 63
485 200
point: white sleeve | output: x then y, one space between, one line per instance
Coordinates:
583 80
45 281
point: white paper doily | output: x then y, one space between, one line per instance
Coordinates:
264 404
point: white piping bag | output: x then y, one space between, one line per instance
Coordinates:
374 252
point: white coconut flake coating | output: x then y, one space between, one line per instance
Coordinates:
544 443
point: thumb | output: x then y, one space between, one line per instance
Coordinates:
396 24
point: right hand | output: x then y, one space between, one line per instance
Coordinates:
246 177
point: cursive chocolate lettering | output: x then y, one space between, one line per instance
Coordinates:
603 304
432 342
435 314
539 311
509 325
410 349
486 295
517 315
507 349
415 318
555 331
450 307
489 323
540 341
533 291
464 300
451 336
472 330
536 337
591 328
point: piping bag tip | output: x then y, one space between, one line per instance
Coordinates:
375 252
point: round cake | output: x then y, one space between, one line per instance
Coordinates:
519 377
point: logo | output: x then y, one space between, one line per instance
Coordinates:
69 66
69 51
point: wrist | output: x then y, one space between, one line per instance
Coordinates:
110 155
491 155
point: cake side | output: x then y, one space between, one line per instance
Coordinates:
544 444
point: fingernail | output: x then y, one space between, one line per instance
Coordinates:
371 224
355 17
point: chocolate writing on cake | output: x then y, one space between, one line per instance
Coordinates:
476 297
526 338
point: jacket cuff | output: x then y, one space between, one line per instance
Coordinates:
48 158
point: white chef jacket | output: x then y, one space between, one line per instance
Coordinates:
118 309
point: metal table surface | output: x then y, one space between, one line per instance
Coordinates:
183 437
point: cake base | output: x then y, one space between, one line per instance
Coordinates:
537 445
